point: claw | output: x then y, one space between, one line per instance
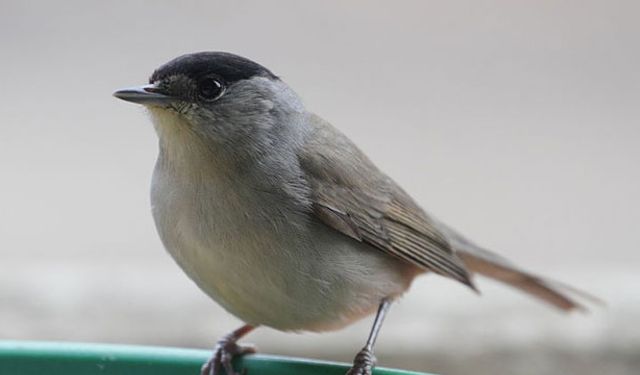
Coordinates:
222 358
363 363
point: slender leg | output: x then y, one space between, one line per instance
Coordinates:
365 360
226 348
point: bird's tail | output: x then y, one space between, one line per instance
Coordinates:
486 263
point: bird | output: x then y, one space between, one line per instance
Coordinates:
281 219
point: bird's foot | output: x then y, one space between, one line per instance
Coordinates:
363 363
223 354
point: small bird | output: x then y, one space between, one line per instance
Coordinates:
281 219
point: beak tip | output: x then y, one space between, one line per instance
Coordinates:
142 95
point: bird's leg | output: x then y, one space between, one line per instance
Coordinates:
226 348
364 361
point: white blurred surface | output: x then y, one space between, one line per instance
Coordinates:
516 122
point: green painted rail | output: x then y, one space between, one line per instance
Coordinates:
53 358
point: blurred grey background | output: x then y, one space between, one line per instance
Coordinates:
515 121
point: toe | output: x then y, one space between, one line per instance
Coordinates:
245 349
208 368
358 370
363 363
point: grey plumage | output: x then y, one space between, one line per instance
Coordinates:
352 196
280 218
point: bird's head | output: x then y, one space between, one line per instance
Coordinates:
218 97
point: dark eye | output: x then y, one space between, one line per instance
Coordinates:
210 88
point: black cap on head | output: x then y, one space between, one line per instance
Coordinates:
228 66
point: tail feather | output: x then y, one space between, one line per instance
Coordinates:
543 289
486 263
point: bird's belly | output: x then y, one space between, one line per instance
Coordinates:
284 272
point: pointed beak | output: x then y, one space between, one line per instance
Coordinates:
145 95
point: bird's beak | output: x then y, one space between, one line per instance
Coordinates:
145 95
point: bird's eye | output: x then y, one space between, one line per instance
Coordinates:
210 88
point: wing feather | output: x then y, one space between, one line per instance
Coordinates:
350 195
353 197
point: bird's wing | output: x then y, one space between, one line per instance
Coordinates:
350 195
